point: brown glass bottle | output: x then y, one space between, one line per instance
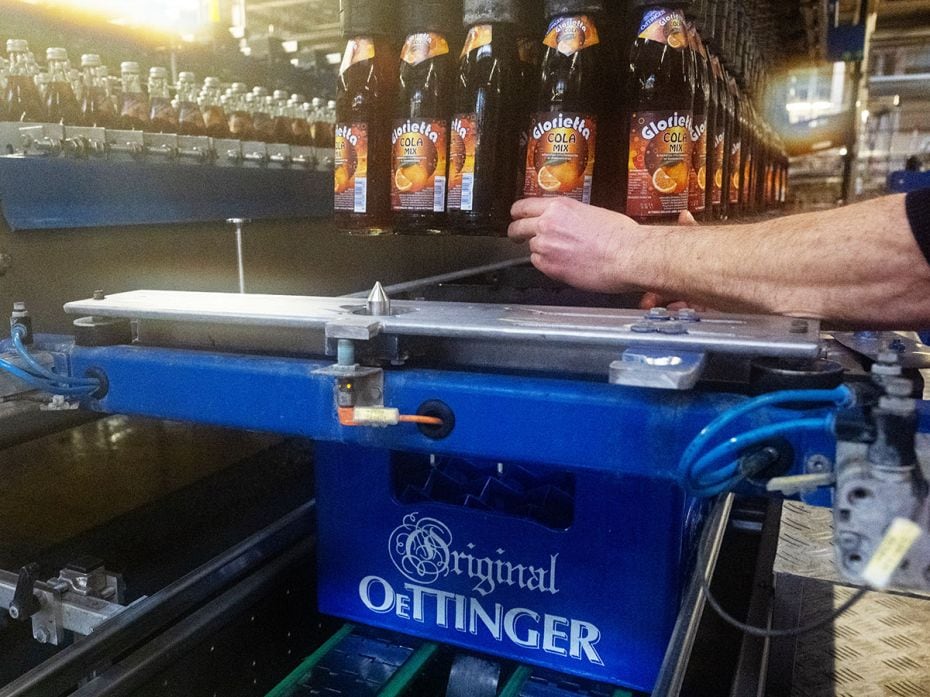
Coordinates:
215 123
736 150
365 92
61 106
134 105
561 150
96 107
163 117
698 181
660 103
262 119
717 153
420 127
239 113
486 122
300 127
529 28
190 115
21 100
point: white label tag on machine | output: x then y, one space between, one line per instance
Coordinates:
897 542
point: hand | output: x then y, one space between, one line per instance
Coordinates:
581 245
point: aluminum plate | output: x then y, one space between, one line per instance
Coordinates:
749 335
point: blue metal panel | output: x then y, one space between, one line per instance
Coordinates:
902 182
53 192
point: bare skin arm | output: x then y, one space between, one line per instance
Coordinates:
858 266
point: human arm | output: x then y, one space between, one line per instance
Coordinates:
859 265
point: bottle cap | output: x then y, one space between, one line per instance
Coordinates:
331 104
259 91
428 15
158 72
299 98
361 17
20 45
187 76
316 102
490 11
211 82
56 54
90 60
129 67
280 94
554 8
239 88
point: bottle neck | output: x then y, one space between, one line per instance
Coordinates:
158 88
132 83
57 71
19 63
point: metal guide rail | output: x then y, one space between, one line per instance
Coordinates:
750 335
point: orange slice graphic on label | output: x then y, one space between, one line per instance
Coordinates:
663 183
342 178
677 39
402 182
702 178
718 178
547 180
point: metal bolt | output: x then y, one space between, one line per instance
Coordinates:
817 464
799 326
345 352
643 327
659 313
81 581
687 314
99 295
14 612
41 635
899 387
19 306
672 327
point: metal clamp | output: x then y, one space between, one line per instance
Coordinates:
82 597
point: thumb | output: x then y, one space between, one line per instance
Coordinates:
685 218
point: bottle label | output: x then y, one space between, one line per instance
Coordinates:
357 50
568 35
664 26
419 165
719 154
697 182
478 37
660 163
736 152
351 167
462 162
560 155
423 46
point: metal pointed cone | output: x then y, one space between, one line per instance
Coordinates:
378 301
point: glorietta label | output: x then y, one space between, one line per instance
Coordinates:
419 165
560 155
660 163
462 162
719 154
664 26
697 182
422 550
351 167
571 34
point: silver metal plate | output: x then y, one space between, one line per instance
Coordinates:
747 335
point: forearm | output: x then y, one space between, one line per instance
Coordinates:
857 265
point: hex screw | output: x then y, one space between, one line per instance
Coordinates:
99 295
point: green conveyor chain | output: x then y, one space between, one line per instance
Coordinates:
405 674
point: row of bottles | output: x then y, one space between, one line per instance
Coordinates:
643 117
91 97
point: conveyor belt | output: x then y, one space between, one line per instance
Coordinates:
364 662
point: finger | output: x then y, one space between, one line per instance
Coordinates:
522 230
649 301
685 218
530 207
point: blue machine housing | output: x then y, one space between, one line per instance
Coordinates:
586 504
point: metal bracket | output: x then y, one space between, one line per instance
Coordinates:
82 597
658 369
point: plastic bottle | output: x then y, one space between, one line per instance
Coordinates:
661 99
420 128
163 117
365 93
564 127
134 105
21 100
698 179
96 107
486 124
211 107
190 114
61 106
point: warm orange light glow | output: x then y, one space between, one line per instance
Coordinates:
177 17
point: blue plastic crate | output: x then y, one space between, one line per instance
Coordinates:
580 571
